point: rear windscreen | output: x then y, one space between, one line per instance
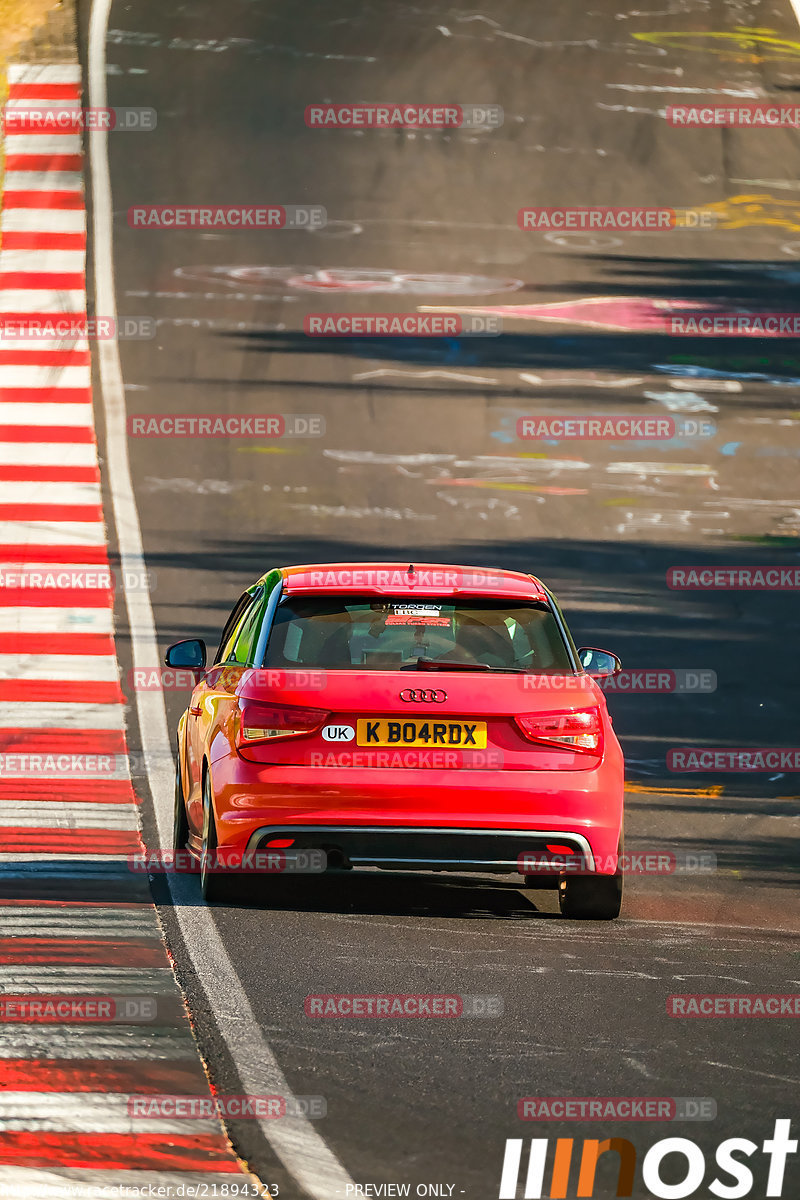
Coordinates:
365 634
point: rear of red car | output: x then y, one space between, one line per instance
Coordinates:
413 725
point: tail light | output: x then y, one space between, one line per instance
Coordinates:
260 722
582 730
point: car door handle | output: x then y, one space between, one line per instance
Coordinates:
196 712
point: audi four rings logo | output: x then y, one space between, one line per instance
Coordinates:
430 695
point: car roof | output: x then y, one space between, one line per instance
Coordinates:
410 579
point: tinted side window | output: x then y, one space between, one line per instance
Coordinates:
232 625
247 631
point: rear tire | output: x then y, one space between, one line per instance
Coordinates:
590 897
216 885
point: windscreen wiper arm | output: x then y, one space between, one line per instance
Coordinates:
437 664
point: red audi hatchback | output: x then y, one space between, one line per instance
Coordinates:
406 717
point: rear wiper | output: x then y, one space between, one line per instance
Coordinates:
437 664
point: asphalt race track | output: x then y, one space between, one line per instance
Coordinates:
420 461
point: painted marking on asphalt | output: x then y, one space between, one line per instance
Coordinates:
61 698
303 1152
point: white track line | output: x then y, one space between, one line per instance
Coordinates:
18 491
53 533
96 668
45 260
796 9
41 375
46 73
62 814
47 454
303 1152
42 412
88 1112
43 300
60 714
53 619
151 1043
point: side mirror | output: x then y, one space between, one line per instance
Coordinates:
599 663
190 654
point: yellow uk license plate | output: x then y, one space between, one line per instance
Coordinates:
458 735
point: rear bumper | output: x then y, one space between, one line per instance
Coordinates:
445 819
409 848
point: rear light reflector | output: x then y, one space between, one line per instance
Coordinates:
260 722
582 730
561 849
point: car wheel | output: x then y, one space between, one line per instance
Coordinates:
180 823
590 897
214 884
